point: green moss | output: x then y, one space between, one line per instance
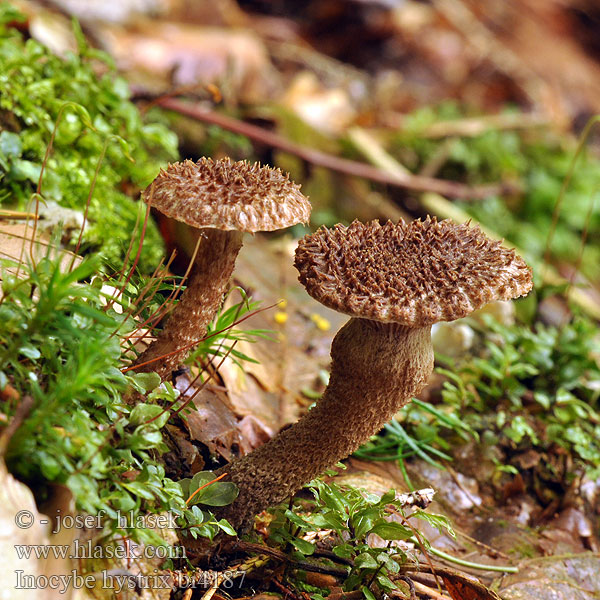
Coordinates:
524 550
62 350
82 100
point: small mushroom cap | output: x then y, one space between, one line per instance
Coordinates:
415 274
228 195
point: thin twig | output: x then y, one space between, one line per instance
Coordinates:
353 595
288 592
335 163
89 200
320 552
205 367
130 246
421 545
166 306
167 303
187 402
565 186
461 487
298 564
134 307
492 552
582 246
38 191
234 572
16 214
196 342
473 126
135 310
411 586
133 266
428 592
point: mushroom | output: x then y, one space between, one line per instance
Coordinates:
223 199
394 281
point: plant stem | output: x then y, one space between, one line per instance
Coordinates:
472 565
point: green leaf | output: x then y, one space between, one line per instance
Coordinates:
25 170
390 564
365 561
385 582
226 527
10 144
388 497
139 489
307 548
363 521
143 414
219 493
542 398
30 352
343 550
50 467
144 438
9 13
201 478
440 522
367 593
297 520
328 520
391 531
146 381
185 484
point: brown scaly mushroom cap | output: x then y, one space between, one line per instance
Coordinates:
228 195
224 199
414 274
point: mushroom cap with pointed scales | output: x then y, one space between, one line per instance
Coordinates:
228 195
414 274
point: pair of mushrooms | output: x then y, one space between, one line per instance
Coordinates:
394 281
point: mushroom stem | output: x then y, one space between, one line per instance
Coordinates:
376 369
188 322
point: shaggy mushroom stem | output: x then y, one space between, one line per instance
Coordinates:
189 320
376 369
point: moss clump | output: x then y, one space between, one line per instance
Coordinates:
91 105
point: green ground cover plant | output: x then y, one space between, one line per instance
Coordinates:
65 343
421 430
67 327
61 346
536 387
351 516
532 386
